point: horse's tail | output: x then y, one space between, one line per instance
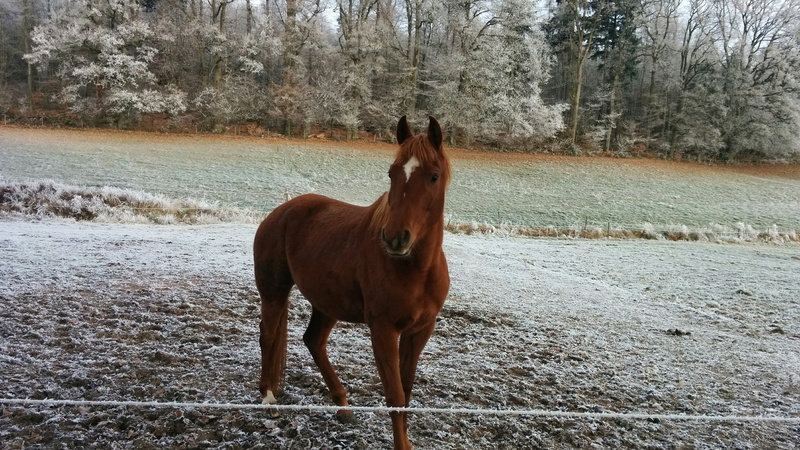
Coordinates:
273 341
274 283
281 338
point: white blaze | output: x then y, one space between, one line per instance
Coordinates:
411 164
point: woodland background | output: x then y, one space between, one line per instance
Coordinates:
706 80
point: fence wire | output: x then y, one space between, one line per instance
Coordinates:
411 410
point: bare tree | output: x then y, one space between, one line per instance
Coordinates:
660 27
26 31
298 18
357 43
572 29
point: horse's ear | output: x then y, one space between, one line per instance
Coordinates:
435 133
403 131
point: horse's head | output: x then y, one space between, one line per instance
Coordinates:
419 177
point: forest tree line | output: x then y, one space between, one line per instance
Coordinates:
712 80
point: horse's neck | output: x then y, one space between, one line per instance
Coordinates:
428 248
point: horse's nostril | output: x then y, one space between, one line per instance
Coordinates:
397 242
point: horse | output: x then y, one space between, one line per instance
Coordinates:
381 265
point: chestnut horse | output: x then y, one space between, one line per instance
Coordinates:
381 265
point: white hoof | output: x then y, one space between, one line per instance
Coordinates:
269 399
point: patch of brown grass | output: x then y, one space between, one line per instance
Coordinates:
726 236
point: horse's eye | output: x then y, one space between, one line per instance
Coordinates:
390 175
434 178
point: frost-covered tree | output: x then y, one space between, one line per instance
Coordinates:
301 28
571 31
246 92
687 125
736 90
489 84
17 19
102 52
457 94
616 46
660 35
517 62
760 63
358 44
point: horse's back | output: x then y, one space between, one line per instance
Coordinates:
315 242
299 217
306 215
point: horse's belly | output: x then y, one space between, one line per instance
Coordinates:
339 303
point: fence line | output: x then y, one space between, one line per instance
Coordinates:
414 410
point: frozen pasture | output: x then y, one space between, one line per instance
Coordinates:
127 311
487 188
133 312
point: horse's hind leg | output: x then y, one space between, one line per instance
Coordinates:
316 339
273 333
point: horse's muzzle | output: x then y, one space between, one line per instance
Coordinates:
397 245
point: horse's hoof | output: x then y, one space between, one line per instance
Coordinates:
270 399
346 417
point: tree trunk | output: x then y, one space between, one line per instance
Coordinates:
202 55
576 100
289 58
612 110
218 18
651 93
249 26
26 29
414 17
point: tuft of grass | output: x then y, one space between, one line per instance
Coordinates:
115 205
742 233
108 204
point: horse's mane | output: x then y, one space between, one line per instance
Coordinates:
419 147
379 215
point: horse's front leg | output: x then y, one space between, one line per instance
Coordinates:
316 339
411 345
387 357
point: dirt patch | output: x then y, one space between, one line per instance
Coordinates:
192 344
129 313
790 171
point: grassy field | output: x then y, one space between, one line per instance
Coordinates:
488 188
141 312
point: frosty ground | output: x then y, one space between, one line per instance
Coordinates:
169 313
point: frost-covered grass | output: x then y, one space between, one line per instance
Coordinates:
48 199
108 204
569 196
741 233
131 312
